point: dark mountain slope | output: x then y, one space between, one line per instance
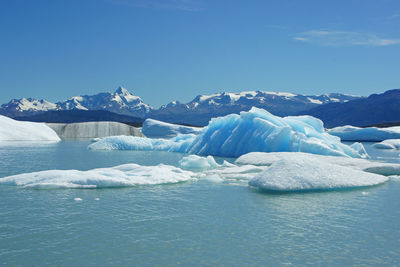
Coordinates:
70 116
375 109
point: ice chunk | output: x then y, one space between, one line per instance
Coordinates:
352 133
12 130
359 147
306 173
155 128
276 171
176 144
119 176
267 159
193 162
235 135
93 129
388 144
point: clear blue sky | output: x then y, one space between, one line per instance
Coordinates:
164 50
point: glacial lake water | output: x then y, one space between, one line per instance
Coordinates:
191 223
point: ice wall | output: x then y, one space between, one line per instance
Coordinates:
93 129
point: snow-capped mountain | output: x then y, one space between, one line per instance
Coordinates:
197 112
204 107
17 107
121 102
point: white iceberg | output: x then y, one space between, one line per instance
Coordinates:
281 171
93 129
154 128
305 173
119 176
235 135
372 134
267 159
388 144
13 130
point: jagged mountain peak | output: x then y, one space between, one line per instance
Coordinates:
122 91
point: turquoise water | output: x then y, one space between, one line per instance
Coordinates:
192 223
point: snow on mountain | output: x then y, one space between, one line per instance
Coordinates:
121 101
204 107
197 112
17 107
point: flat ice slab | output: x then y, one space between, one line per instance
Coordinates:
119 176
305 173
235 135
267 159
13 130
373 134
159 129
388 144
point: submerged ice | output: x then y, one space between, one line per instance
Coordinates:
234 135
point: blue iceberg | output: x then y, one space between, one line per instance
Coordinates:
234 135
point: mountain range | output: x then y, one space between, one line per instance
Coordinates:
197 112
120 102
334 109
376 109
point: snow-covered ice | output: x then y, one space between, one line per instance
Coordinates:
305 173
155 128
13 130
388 144
282 171
373 134
267 159
234 135
119 176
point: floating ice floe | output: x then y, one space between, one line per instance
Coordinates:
278 171
193 162
305 173
373 134
267 159
235 135
119 176
13 130
388 144
155 128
